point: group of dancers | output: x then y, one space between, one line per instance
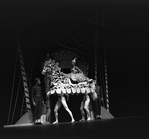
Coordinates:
40 106
77 76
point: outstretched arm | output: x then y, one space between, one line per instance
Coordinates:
80 71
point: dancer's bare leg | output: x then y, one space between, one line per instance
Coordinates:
86 107
82 111
63 100
57 106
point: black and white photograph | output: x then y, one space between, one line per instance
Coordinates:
74 69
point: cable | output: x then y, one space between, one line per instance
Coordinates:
58 32
13 77
22 105
71 48
88 46
12 86
16 100
72 37
63 37
88 42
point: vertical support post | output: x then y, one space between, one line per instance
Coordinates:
95 61
95 64
24 79
105 63
106 83
95 50
23 72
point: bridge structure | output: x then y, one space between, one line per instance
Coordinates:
62 40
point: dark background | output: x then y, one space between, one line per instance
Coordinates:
126 40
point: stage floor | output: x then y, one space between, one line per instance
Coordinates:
112 128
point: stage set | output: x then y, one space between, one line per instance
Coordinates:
85 95
61 85
95 120
75 104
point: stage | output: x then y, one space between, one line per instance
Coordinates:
110 128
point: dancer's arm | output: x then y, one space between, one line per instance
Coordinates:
32 95
80 71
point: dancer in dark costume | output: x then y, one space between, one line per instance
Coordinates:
97 97
37 100
47 79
